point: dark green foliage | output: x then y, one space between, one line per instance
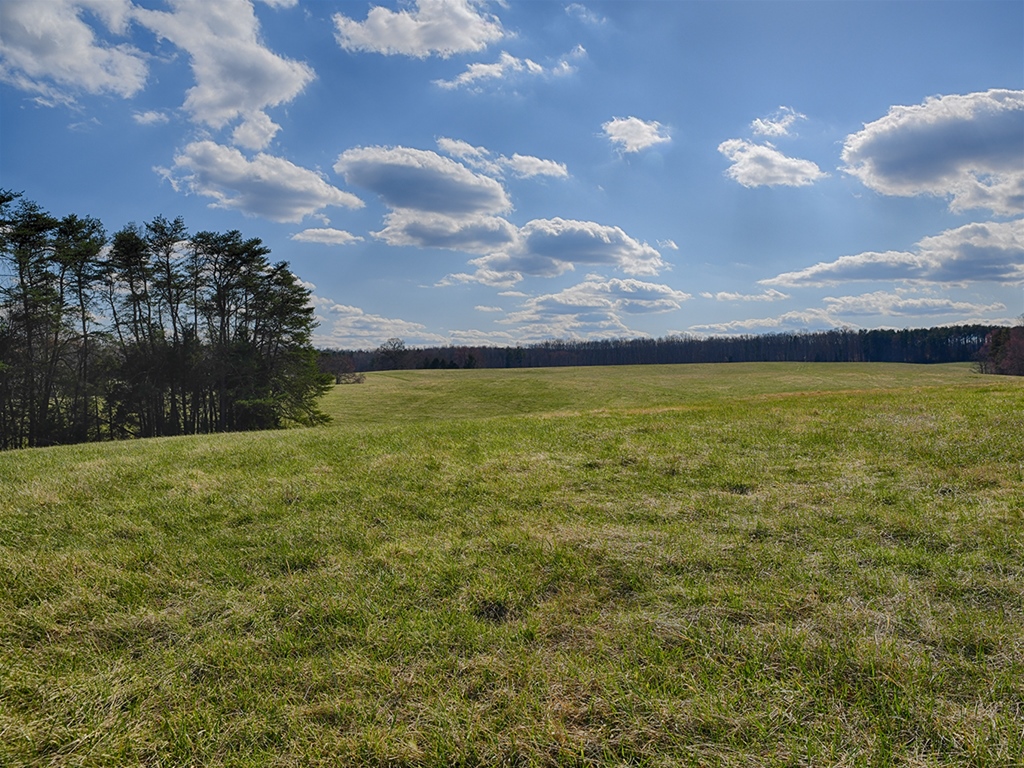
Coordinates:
162 334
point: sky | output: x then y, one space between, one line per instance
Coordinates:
462 172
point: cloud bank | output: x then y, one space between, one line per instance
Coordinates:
985 252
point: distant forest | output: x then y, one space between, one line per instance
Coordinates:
954 344
153 331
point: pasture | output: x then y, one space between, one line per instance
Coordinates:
723 565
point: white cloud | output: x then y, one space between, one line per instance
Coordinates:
439 203
585 14
802 320
483 276
48 48
326 236
505 66
758 165
236 75
256 132
441 27
476 157
894 304
508 66
421 180
593 308
778 123
476 338
668 244
598 294
551 247
527 166
347 327
838 312
632 134
524 166
265 186
769 295
964 147
475 234
150 118
481 308
990 251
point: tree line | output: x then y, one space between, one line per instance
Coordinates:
1003 351
151 331
952 344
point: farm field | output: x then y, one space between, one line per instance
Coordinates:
721 565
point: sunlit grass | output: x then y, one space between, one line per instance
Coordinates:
703 565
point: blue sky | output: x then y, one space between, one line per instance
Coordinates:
459 172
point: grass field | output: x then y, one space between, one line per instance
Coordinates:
664 566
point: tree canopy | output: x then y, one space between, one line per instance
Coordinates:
152 331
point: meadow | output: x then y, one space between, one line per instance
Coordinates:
723 565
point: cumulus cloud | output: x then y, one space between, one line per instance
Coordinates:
632 134
769 295
967 148
603 295
47 47
551 247
592 308
988 251
438 27
778 123
347 327
421 180
762 165
265 186
437 202
237 77
508 66
256 132
523 166
475 234
326 236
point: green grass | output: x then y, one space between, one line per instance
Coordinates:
663 566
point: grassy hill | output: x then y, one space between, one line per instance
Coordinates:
766 564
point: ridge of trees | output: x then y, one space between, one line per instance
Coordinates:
961 343
150 332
